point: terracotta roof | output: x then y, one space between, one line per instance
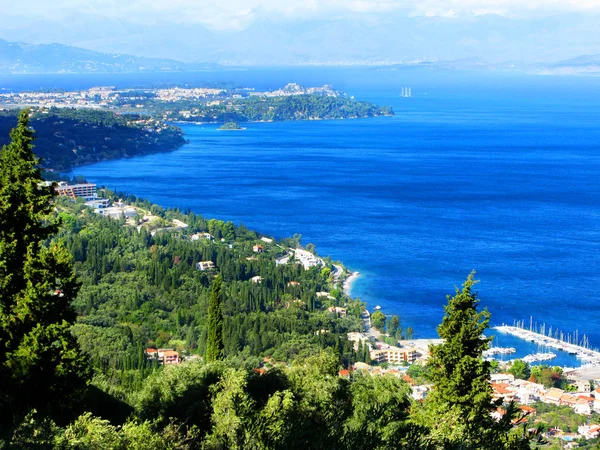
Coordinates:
527 409
344 373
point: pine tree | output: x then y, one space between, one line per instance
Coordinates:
458 409
41 366
214 345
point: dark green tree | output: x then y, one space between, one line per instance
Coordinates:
41 365
520 369
458 409
378 320
393 326
214 345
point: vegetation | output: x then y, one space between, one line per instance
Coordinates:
457 410
230 126
253 109
263 355
41 366
71 137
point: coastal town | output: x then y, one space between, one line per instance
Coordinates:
137 100
387 355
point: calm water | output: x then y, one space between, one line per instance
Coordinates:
489 172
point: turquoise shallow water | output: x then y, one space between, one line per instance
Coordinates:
487 172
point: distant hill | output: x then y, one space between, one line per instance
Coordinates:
57 58
374 38
72 137
582 65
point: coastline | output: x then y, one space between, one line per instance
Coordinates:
347 285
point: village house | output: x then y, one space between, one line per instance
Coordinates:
503 391
267 240
163 356
256 279
293 283
584 405
338 310
393 355
589 431
205 265
198 236
258 248
553 396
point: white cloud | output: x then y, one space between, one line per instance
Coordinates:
235 14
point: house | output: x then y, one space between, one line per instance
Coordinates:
167 357
344 373
198 236
502 378
256 279
151 353
267 240
582 385
503 391
392 355
589 431
338 310
163 356
258 248
205 265
584 405
553 396
528 410
324 294
293 283
569 400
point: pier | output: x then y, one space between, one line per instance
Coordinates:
582 352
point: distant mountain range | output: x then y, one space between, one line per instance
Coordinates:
359 38
57 58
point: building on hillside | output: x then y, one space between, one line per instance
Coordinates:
258 248
267 240
256 279
582 386
553 396
198 236
98 203
393 355
338 310
589 431
163 356
205 265
503 391
86 191
502 378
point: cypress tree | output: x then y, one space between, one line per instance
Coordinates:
41 366
458 409
214 345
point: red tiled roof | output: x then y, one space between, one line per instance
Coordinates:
344 373
527 409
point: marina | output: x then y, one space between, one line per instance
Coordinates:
581 352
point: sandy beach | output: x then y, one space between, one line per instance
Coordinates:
347 286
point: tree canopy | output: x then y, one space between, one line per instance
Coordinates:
41 366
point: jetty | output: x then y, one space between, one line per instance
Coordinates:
499 351
580 351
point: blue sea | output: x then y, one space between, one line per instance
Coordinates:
497 173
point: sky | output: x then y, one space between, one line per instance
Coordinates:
239 14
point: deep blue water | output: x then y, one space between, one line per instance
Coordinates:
497 173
